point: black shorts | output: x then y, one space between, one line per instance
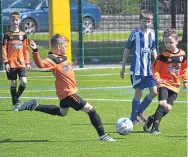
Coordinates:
12 74
74 101
167 94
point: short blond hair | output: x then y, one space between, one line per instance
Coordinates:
146 14
171 32
58 39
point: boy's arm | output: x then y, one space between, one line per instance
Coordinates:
41 63
125 56
156 67
154 53
25 49
5 49
37 59
184 73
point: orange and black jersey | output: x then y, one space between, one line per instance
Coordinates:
169 67
15 49
65 82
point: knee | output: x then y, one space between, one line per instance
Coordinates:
154 94
23 81
13 83
87 108
167 106
63 112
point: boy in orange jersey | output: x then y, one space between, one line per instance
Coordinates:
65 84
16 57
167 68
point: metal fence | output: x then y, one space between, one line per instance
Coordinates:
104 41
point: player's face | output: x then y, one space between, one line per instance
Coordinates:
146 22
15 21
61 49
170 43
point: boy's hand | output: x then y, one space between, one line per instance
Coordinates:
32 45
28 67
7 67
122 73
159 81
185 84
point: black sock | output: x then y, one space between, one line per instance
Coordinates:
160 112
13 94
96 122
20 91
50 109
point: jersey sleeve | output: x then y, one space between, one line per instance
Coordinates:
153 45
25 49
44 64
184 71
5 49
130 41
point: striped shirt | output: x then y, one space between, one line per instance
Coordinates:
142 45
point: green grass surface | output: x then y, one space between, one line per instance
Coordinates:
35 134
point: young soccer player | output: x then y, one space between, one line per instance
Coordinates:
65 84
16 57
170 65
142 42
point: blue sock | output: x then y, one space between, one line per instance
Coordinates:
145 103
135 106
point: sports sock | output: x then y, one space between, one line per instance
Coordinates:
160 112
13 94
145 103
20 91
96 122
135 106
50 109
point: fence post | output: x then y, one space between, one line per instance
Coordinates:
156 24
81 34
1 36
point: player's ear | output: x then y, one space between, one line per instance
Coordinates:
58 47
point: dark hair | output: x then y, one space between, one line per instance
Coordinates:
145 14
15 13
58 39
171 32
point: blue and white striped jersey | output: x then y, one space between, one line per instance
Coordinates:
142 45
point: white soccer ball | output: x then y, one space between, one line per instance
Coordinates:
124 126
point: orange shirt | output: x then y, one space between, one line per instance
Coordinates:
15 49
65 82
169 67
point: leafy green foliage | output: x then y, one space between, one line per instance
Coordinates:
118 7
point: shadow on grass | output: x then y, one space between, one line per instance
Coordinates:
39 141
20 141
91 124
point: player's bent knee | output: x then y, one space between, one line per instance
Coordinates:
13 83
23 81
87 108
168 107
63 112
163 103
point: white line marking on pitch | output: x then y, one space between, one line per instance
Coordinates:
55 98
